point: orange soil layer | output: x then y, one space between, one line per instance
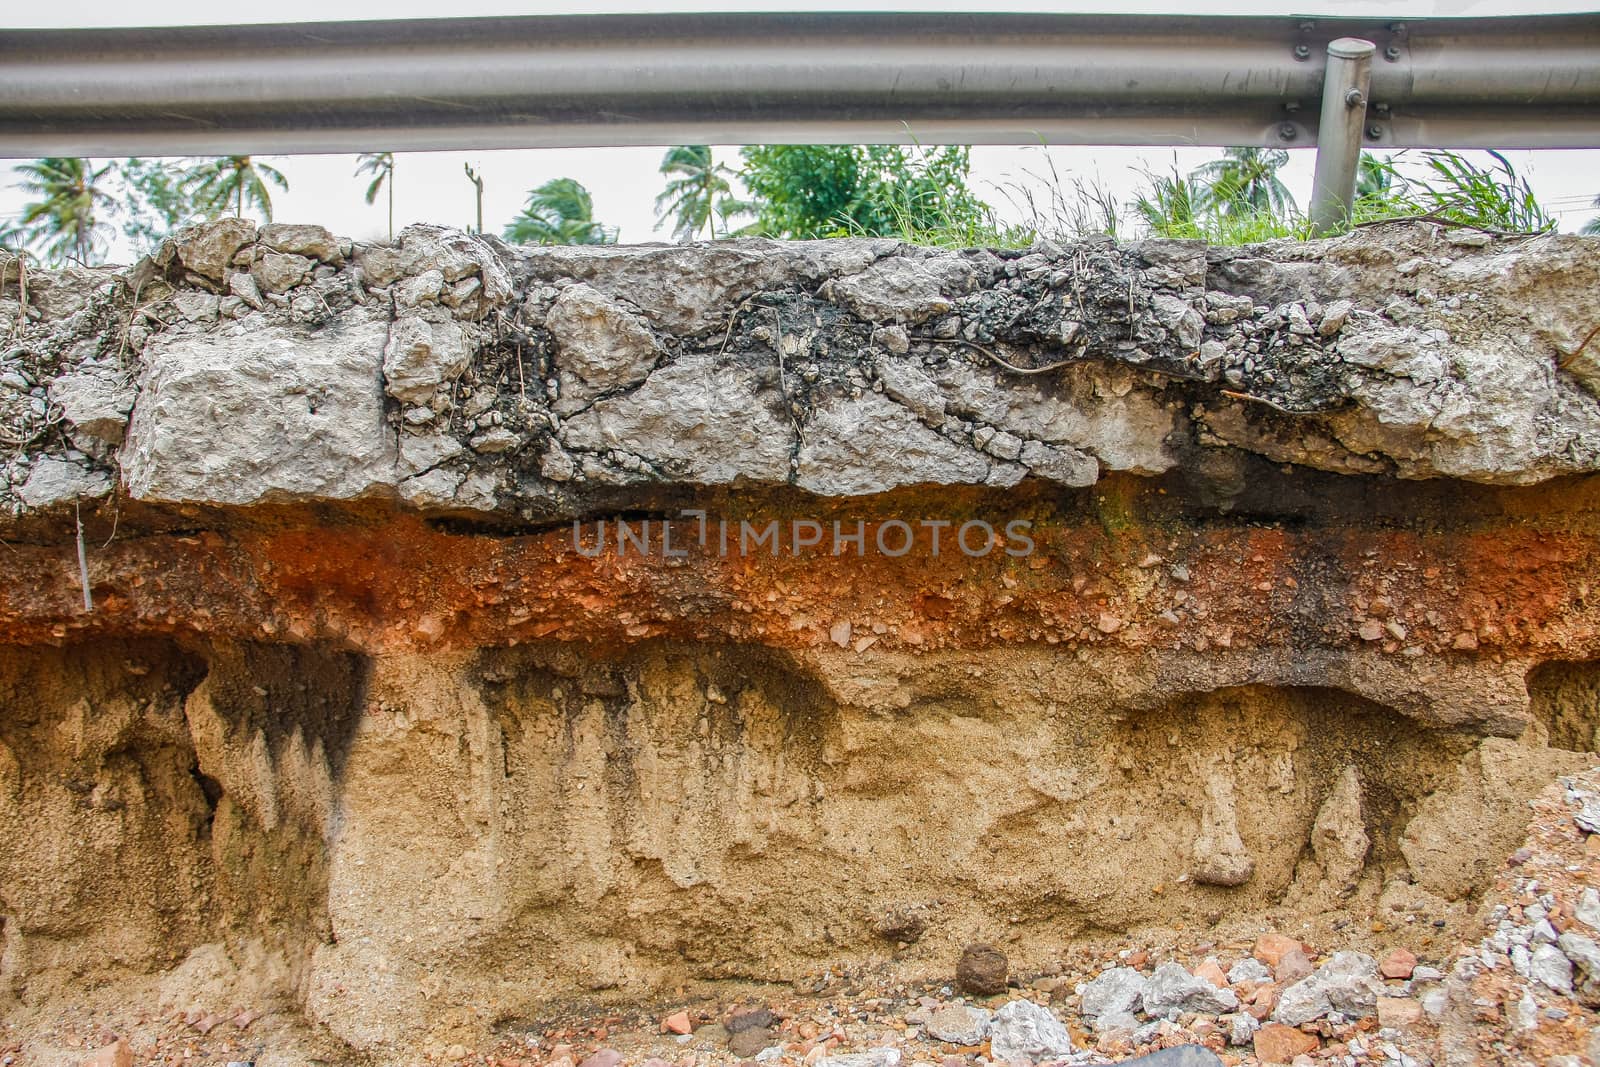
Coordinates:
1513 588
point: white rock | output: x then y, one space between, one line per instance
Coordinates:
904 380
278 272
903 290
1241 1028
195 306
1298 322
1186 324
1338 837
1585 955
1549 965
420 356
1220 856
494 441
1025 1031
1111 1021
894 338
208 249
96 401
1525 1012
598 340
1345 984
1117 990
270 414
1334 316
959 1024
1587 910
1093 409
1004 445
300 239
1172 990
871 445
244 287
54 482
423 452
699 417
1060 464
1248 969
878 1057
419 289
453 254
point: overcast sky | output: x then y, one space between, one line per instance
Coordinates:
624 181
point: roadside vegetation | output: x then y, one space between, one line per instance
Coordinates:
917 194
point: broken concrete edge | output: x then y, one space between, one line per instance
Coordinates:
451 373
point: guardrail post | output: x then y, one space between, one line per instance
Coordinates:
1345 86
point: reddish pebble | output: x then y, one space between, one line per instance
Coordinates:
1398 964
677 1023
1271 947
1262 1002
1277 1043
1211 971
116 1054
1291 967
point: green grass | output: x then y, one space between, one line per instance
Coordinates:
1437 185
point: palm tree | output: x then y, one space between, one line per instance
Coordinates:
559 212
1245 182
381 166
1593 225
697 190
64 222
236 178
156 201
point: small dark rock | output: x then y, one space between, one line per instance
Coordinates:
746 1043
982 971
740 1019
900 925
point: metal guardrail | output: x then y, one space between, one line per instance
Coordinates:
564 81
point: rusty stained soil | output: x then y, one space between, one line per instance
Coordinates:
1503 572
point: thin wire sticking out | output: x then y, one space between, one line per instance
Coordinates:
83 559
